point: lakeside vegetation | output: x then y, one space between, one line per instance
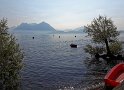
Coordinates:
105 40
10 59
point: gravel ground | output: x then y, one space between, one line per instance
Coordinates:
99 86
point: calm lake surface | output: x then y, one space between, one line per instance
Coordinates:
50 63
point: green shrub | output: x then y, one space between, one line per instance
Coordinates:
10 59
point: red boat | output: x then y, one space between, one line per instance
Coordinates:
115 76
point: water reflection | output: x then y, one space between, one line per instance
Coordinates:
93 64
96 70
93 75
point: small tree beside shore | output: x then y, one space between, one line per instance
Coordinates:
10 59
104 34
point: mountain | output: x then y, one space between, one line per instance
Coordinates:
121 31
33 26
43 26
77 30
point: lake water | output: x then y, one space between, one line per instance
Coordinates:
50 63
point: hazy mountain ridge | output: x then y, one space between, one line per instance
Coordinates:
77 30
43 26
33 26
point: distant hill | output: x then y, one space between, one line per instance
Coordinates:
77 30
33 26
121 31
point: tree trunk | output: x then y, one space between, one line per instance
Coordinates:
107 47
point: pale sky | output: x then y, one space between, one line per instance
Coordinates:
61 14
